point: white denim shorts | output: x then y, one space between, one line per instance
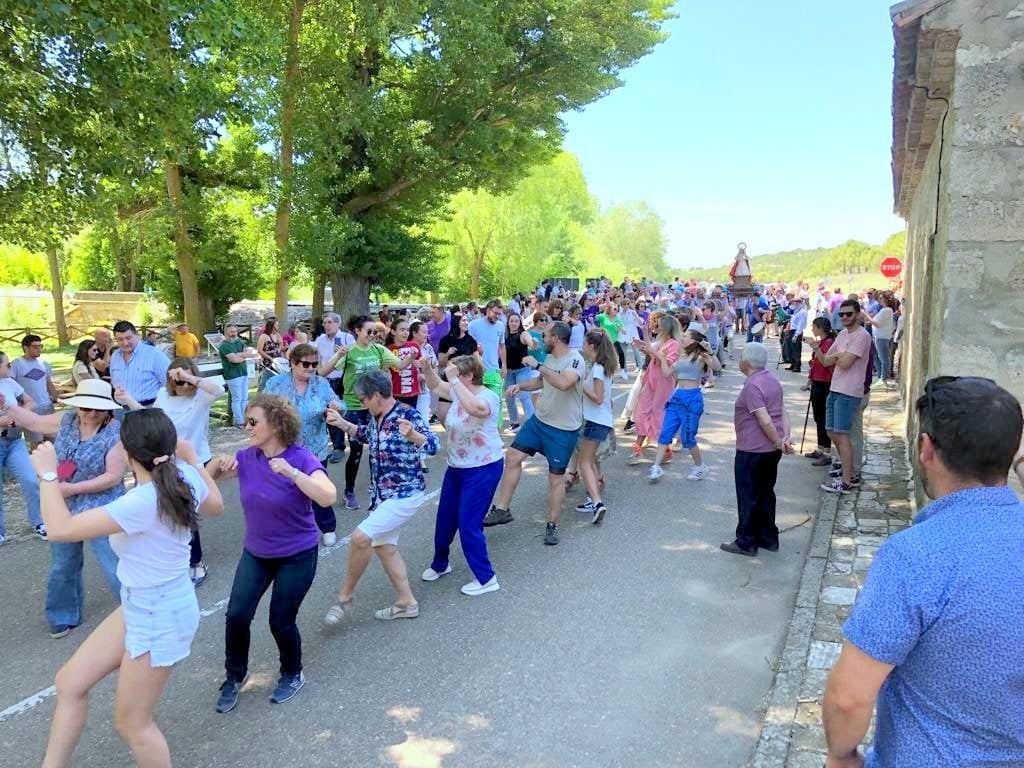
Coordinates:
160 621
385 522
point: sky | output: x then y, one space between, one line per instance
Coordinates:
762 121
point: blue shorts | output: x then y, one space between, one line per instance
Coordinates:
840 411
556 445
595 432
160 621
682 416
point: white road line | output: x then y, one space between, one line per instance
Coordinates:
38 698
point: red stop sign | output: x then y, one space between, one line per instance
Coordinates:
891 267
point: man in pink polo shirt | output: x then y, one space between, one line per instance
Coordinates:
849 357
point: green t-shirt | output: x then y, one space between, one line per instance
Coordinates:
232 370
612 327
357 362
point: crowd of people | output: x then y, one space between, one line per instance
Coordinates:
539 368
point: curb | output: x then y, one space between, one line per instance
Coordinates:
773 745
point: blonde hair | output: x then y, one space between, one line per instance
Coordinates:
470 364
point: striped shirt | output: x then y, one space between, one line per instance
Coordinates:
143 375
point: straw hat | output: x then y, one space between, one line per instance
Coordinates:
92 393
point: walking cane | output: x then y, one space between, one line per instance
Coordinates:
806 417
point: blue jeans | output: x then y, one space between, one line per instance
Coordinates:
14 459
65 589
518 377
465 498
238 388
882 347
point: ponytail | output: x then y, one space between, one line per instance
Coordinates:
175 501
149 437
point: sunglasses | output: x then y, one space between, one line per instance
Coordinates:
89 410
307 363
847 314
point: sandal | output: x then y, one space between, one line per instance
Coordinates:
571 478
338 612
398 612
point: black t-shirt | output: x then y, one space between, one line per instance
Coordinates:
453 346
515 351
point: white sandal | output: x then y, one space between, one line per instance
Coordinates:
398 612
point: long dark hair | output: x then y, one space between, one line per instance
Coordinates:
149 437
694 350
268 326
82 353
824 324
606 355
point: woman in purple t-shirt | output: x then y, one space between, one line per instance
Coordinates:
277 479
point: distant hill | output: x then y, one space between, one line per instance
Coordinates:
851 263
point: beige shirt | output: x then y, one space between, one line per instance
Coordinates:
558 408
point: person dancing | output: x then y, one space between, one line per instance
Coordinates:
279 481
149 529
683 411
657 385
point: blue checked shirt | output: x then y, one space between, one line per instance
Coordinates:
395 466
143 375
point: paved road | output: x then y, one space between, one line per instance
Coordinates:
638 643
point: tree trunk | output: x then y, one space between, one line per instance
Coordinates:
351 294
133 278
474 276
196 312
120 256
57 291
318 294
284 205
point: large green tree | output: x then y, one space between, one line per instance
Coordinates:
404 104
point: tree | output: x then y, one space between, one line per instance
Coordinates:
495 244
404 104
632 235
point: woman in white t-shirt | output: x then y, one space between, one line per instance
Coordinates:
884 323
476 459
187 398
149 528
598 420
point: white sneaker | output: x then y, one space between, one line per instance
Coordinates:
623 375
2 538
699 473
431 575
475 588
330 539
655 474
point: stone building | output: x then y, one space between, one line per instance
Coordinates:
958 177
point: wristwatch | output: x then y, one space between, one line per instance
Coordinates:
295 472
48 477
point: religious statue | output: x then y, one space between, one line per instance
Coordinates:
740 274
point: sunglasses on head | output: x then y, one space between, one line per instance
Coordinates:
307 363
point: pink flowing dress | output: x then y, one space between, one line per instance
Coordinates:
655 392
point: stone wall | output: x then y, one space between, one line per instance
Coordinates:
965 287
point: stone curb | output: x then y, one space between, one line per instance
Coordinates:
773 745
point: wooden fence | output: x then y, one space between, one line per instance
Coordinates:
13 336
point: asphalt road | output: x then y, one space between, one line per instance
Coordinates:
637 643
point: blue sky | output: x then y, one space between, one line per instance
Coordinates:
766 121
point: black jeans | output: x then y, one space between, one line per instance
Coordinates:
337 435
755 498
355 449
621 353
819 394
292 577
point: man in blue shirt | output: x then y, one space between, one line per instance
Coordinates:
137 368
937 631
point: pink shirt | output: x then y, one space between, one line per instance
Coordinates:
850 381
760 390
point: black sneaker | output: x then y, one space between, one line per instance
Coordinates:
496 516
287 687
228 698
599 510
551 534
629 425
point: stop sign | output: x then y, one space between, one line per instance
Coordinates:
891 267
